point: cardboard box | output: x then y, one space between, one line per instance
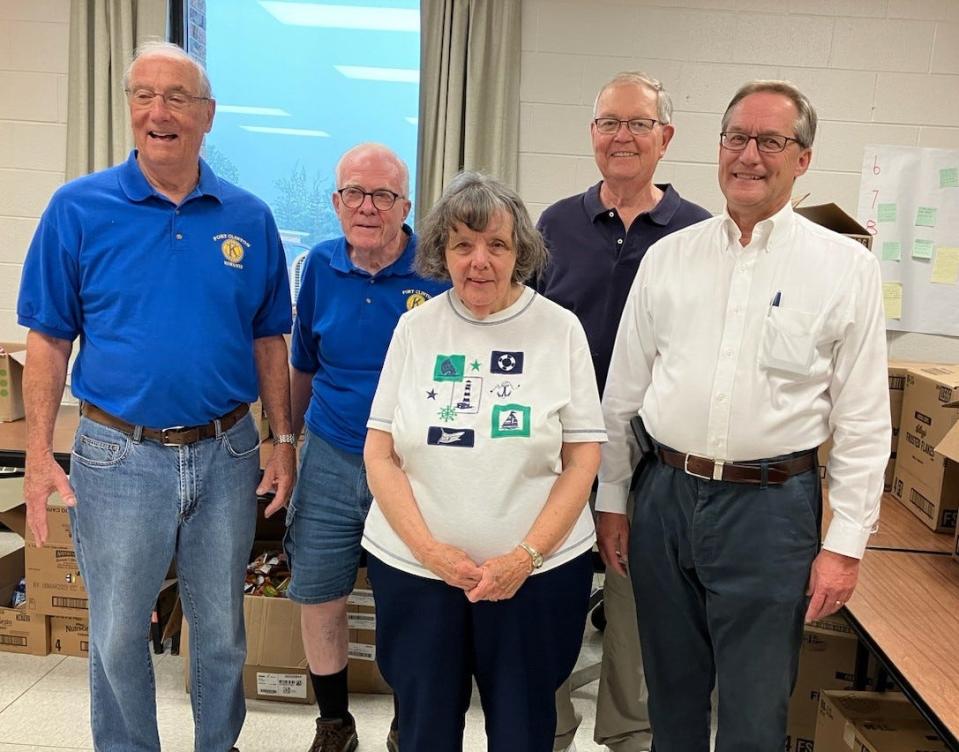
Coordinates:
923 481
54 584
69 636
872 722
276 666
13 356
827 660
365 676
948 448
20 630
833 218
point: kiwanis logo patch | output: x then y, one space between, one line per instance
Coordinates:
415 298
233 248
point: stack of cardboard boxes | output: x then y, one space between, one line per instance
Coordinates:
927 457
56 604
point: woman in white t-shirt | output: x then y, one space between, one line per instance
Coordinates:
483 445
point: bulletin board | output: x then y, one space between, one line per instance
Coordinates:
909 203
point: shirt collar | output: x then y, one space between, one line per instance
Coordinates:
770 233
138 188
402 267
661 214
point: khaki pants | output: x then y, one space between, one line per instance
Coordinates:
621 716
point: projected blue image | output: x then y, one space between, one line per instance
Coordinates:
296 85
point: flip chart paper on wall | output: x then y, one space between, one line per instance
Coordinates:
921 289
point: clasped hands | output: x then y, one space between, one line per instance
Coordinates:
496 579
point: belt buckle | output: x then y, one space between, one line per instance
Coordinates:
172 430
717 469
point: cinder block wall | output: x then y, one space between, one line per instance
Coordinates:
878 71
33 115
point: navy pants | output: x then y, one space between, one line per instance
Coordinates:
431 642
720 572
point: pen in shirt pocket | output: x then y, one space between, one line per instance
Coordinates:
777 299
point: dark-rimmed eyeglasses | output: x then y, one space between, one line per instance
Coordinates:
770 143
637 126
382 199
175 100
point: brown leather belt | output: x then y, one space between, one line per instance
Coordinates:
178 436
776 472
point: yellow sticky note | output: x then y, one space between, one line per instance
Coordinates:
892 299
945 270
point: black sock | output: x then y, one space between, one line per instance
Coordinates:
332 695
396 713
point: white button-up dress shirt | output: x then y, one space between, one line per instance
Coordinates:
741 353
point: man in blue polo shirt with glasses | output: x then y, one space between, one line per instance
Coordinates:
175 283
353 291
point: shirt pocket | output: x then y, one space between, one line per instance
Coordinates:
789 340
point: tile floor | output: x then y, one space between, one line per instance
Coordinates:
44 706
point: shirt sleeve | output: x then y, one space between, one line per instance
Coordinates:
630 373
388 388
275 315
859 420
304 347
581 417
49 300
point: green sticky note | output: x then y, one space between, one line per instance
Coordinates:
949 177
926 216
891 250
922 249
886 212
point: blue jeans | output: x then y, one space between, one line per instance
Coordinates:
324 522
139 505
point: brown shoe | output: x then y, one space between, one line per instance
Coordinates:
335 735
393 740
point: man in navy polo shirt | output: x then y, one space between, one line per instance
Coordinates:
596 240
353 291
175 282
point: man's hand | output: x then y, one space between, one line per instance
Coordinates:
612 538
832 581
452 565
502 577
279 476
42 477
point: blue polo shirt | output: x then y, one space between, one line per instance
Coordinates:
593 259
166 299
345 318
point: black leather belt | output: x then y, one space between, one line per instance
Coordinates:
178 436
776 472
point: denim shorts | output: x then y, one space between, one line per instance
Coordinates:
324 522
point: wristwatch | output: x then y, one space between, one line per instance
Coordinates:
534 555
284 438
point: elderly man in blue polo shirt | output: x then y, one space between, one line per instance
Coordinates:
354 289
596 241
175 282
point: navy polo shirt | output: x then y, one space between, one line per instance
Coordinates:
166 299
593 259
345 318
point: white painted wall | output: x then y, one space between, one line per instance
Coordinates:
33 114
878 71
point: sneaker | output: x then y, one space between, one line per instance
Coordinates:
335 735
393 740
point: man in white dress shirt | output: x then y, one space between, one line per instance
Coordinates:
746 341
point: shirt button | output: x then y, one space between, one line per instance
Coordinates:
720 397
612 214
179 236
369 300
177 211
619 241
728 353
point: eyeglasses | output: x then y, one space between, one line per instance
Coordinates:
769 143
637 126
175 100
382 199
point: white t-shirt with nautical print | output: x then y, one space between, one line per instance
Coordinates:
479 411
